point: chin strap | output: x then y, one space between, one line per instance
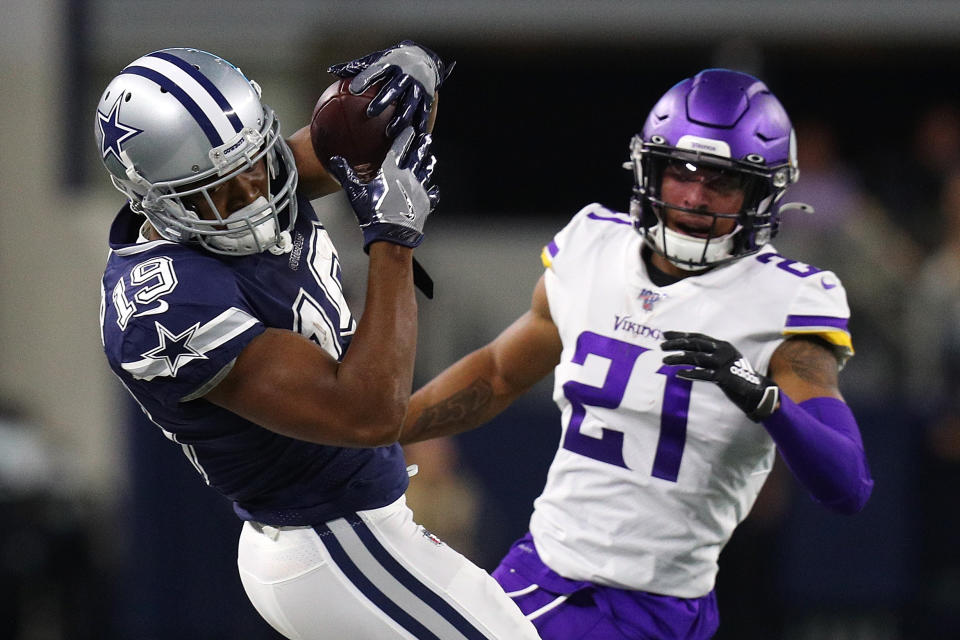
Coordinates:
690 253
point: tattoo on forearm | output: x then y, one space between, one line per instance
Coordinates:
462 407
812 360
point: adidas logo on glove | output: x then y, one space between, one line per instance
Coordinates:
743 369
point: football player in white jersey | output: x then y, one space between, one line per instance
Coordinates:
223 314
685 352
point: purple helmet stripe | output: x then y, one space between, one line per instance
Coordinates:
553 249
817 321
165 83
204 82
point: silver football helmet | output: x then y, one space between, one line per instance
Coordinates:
177 123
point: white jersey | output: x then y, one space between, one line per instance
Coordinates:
654 472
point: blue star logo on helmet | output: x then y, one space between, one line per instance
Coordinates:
114 133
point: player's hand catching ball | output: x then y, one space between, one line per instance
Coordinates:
413 74
395 203
719 362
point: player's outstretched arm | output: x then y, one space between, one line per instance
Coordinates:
288 384
799 404
483 383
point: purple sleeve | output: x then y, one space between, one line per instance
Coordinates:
820 442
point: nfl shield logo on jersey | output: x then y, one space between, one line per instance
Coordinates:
648 299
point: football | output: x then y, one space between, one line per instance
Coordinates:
340 127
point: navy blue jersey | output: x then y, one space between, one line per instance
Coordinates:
174 318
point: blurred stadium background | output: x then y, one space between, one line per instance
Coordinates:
105 532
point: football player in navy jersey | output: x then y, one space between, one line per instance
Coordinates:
223 315
685 352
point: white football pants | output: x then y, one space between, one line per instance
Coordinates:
375 575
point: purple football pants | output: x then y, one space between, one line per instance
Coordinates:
563 609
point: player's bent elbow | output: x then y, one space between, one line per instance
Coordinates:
377 428
379 435
356 434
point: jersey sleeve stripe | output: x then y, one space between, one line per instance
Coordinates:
596 216
831 328
817 321
838 338
226 326
549 253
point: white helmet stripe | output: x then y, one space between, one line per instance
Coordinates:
206 83
214 120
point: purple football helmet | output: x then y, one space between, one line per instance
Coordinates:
729 122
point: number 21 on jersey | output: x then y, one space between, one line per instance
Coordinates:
608 447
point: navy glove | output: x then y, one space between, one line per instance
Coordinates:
395 203
413 74
719 362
